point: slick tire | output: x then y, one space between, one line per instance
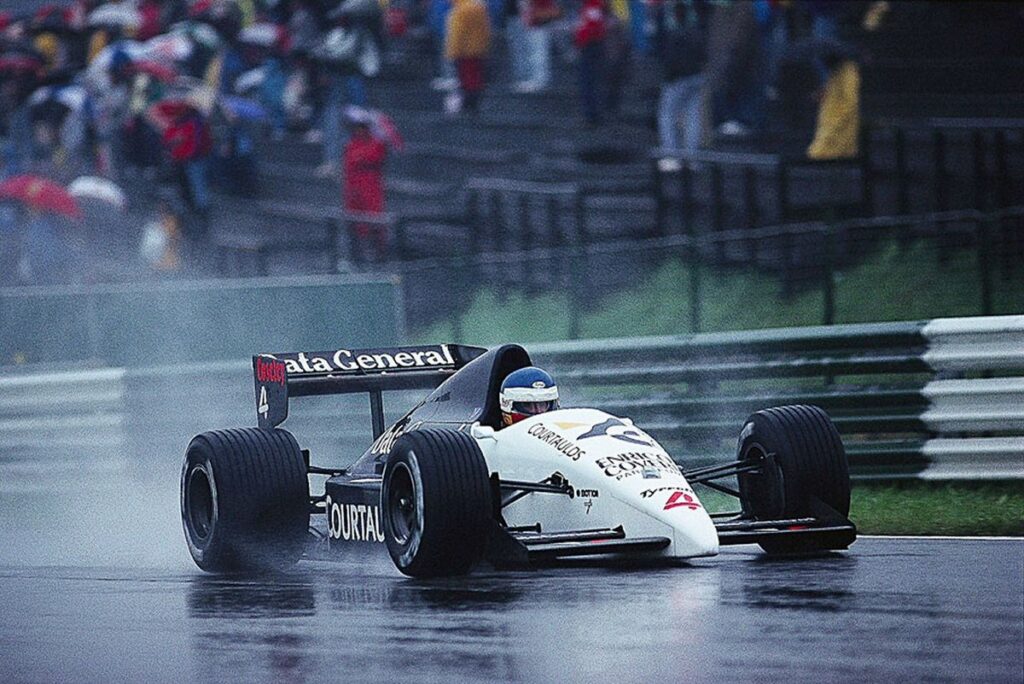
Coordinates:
808 462
244 500
436 503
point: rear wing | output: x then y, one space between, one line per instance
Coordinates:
344 371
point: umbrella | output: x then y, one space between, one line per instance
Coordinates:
242 108
199 33
381 125
40 193
72 97
253 78
173 47
159 71
17 62
121 15
98 188
50 18
261 35
53 103
130 50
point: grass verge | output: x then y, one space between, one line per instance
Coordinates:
938 508
924 508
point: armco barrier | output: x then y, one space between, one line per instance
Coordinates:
941 399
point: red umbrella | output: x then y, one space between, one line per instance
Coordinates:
20 62
160 72
40 193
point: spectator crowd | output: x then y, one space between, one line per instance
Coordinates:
171 100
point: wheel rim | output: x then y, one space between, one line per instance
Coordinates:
199 503
760 489
403 519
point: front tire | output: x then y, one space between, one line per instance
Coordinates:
244 500
436 503
803 463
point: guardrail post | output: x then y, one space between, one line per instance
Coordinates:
473 219
660 208
782 179
526 221
695 287
1002 168
980 169
577 291
828 282
717 209
787 264
984 236
867 197
902 175
496 220
686 196
939 170
579 208
554 219
752 209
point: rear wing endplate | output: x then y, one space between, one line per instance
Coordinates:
344 371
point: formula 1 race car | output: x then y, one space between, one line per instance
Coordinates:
447 487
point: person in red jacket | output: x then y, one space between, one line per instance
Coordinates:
589 38
188 143
363 189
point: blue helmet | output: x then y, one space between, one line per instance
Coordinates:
527 392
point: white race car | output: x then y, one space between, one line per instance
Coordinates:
446 487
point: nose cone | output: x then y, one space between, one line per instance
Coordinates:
693 530
697 537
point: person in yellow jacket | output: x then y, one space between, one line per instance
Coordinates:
467 43
837 133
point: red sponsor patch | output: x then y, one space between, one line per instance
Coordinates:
681 499
270 370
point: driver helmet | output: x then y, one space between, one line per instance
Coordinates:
527 392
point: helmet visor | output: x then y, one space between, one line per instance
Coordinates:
533 408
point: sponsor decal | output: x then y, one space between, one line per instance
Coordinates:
590 495
345 360
387 439
559 442
648 493
617 429
681 499
621 466
354 522
270 370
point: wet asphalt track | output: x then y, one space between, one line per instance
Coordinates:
888 610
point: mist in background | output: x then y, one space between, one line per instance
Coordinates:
92 439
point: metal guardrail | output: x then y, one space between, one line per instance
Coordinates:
940 399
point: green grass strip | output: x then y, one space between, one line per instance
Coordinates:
939 508
923 508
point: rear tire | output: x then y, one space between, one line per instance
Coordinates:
808 463
436 503
244 500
